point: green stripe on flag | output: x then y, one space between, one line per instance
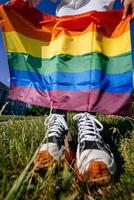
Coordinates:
71 64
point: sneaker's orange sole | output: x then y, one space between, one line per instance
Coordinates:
43 160
97 173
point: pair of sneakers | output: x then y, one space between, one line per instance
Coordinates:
94 161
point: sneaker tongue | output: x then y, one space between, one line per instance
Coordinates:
60 119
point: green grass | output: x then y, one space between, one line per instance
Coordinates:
19 140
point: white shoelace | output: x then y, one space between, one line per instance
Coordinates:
88 127
56 125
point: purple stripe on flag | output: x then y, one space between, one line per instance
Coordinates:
90 100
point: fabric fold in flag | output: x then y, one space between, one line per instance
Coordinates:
80 62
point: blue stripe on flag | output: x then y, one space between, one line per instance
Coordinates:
92 79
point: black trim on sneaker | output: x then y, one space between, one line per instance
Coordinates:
100 145
58 140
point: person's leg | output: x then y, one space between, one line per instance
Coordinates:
94 159
56 142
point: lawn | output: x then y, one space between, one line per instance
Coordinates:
19 140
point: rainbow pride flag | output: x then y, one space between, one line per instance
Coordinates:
81 62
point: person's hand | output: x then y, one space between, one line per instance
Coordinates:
128 8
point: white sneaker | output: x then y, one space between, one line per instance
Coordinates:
94 159
55 146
